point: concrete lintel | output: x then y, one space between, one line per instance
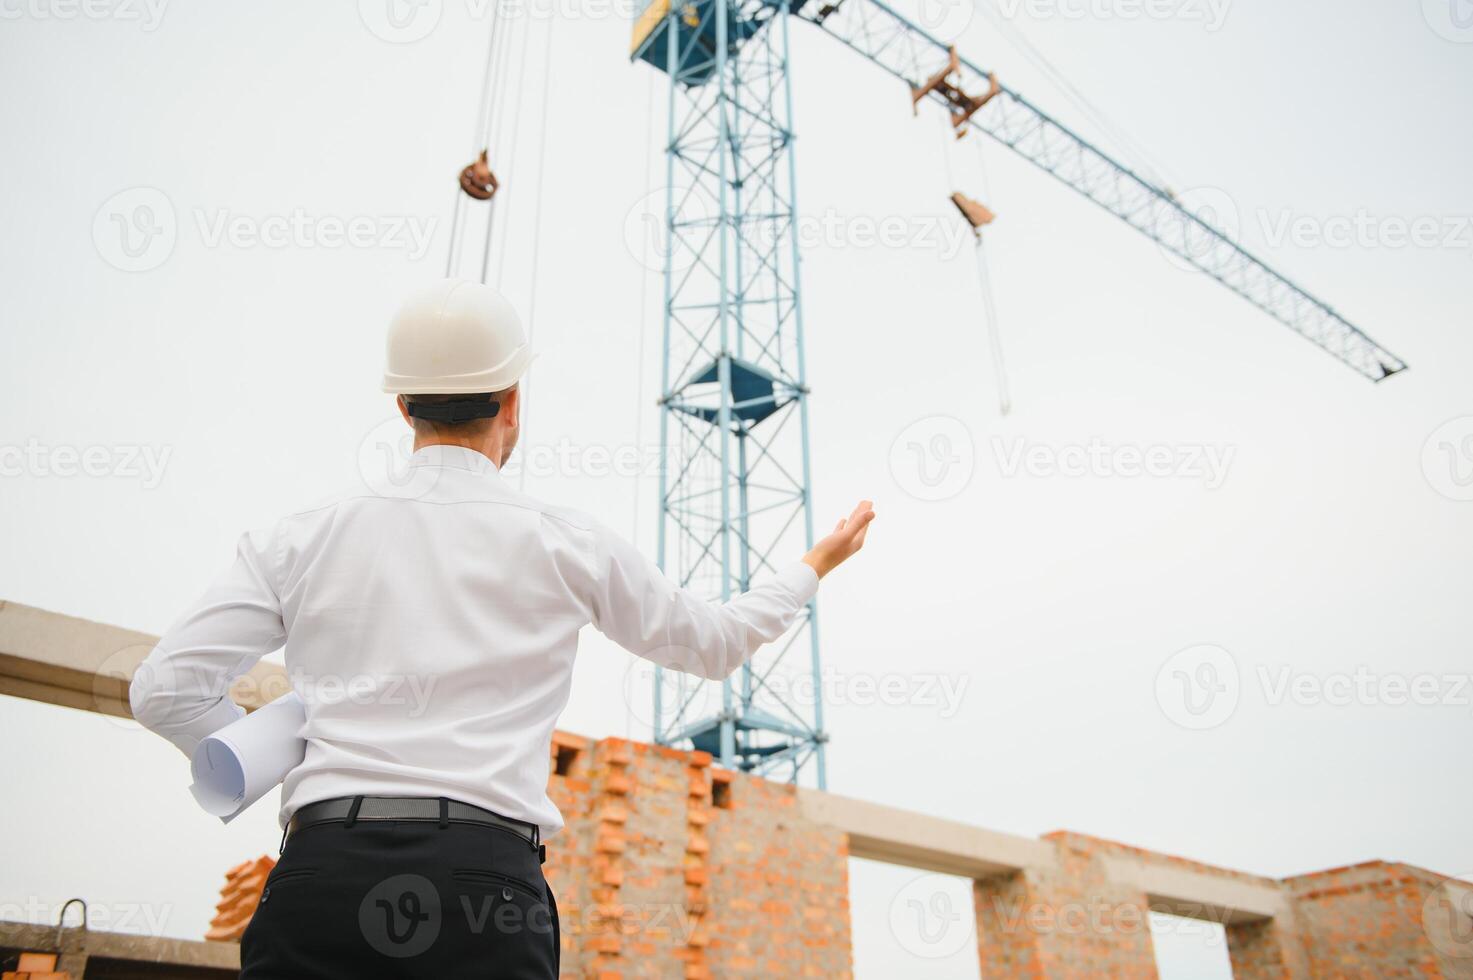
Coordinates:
78 943
76 663
1198 894
895 836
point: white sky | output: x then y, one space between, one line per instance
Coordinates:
1334 544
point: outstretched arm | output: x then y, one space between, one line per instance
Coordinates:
642 610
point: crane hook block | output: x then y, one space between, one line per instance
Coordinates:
478 181
976 213
963 106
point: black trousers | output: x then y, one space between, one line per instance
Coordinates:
388 899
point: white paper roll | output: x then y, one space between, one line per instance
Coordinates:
240 763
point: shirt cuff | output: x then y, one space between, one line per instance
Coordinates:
800 579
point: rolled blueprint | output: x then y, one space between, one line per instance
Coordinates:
243 761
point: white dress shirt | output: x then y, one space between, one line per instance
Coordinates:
430 632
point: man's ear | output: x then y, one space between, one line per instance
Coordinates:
511 407
404 410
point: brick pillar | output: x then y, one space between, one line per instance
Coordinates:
1068 921
603 945
1266 950
697 864
1005 947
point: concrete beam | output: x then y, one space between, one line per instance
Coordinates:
76 663
200 959
1196 894
915 840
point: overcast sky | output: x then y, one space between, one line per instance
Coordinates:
1303 538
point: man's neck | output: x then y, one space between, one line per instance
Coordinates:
490 448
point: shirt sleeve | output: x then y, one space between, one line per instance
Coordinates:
182 689
638 607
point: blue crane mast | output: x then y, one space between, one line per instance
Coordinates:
735 488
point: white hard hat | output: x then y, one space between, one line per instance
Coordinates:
455 337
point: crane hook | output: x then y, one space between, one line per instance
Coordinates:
477 180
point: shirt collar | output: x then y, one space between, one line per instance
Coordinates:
454 457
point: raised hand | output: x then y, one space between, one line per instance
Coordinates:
846 539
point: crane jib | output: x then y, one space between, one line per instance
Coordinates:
974 98
909 53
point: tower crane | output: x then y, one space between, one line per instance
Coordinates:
734 488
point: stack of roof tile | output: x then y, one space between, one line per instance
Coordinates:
238 899
35 966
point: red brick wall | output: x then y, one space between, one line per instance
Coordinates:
654 880
659 875
1371 920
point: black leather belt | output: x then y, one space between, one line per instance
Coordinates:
348 810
